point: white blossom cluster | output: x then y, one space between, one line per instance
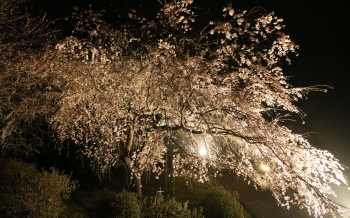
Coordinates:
147 89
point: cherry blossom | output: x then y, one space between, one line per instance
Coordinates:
149 89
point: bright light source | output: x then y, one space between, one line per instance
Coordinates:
202 151
264 167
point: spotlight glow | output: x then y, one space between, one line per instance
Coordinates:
202 151
264 167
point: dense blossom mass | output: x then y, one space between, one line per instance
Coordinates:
211 96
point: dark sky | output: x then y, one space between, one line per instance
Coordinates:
322 29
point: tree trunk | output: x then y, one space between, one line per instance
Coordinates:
137 183
137 179
138 187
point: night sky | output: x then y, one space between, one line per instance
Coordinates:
322 29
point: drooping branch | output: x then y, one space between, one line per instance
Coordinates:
134 92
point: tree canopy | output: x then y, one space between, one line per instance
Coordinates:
210 92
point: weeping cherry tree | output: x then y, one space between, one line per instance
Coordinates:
213 96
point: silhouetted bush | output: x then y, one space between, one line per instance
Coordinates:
27 192
117 205
222 203
168 208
